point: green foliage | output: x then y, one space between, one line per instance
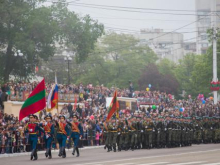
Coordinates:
194 73
116 60
166 67
36 30
162 82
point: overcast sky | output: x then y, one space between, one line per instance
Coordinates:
134 21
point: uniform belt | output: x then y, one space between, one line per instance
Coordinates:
60 132
32 133
47 131
149 129
114 131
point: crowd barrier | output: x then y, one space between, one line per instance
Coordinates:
70 97
63 97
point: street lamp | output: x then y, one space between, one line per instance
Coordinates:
18 54
68 59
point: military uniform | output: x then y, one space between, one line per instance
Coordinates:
197 131
169 128
113 133
63 132
148 133
159 132
33 128
48 136
106 134
77 132
133 134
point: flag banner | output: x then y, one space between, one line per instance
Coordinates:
114 107
75 103
52 100
35 102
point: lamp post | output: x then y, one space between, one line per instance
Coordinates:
215 78
19 54
68 59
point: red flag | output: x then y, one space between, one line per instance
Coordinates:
35 102
114 106
75 104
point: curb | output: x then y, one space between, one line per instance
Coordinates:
43 152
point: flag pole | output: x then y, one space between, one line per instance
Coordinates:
58 93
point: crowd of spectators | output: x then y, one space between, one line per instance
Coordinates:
92 110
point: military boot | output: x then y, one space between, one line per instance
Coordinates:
47 152
32 154
60 152
74 149
109 148
77 152
114 147
63 152
35 155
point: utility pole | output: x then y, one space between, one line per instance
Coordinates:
213 21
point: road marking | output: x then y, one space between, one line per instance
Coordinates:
154 163
125 163
120 160
186 163
212 164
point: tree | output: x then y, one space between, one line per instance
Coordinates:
164 83
166 67
35 29
117 59
183 72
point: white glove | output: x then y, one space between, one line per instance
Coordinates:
30 130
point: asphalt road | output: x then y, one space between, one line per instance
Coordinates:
208 154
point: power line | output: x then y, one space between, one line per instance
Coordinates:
133 11
137 19
179 28
104 7
134 8
165 33
138 31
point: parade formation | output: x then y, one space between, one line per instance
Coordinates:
159 126
160 132
133 133
34 129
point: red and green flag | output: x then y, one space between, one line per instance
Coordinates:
35 102
114 107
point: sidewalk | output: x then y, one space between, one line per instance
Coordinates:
43 152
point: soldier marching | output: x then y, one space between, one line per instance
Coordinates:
135 132
159 132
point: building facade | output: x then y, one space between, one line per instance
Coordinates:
165 45
203 9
